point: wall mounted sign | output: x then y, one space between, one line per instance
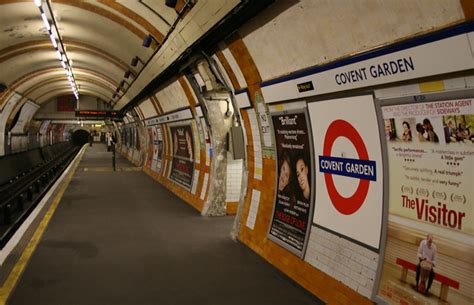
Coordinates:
406 61
349 188
306 86
180 115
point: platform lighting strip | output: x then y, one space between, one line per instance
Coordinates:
57 43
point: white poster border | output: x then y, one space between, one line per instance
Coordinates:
383 176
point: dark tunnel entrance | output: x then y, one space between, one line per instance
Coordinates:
80 137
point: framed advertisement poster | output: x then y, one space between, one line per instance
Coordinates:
430 150
293 205
182 166
158 149
150 147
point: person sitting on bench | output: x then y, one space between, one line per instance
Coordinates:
427 252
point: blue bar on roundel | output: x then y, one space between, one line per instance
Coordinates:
355 168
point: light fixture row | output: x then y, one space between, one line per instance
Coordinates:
57 43
135 60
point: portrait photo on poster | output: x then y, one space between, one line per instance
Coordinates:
293 206
182 167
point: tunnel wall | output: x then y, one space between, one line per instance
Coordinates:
39 134
248 65
128 146
20 131
161 168
337 269
174 105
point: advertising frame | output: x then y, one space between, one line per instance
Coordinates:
383 167
187 123
159 155
293 110
381 102
385 189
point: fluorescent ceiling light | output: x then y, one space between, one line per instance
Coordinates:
46 22
57 44
53 41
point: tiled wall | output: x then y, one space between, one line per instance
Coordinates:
234 179
335 269
353 265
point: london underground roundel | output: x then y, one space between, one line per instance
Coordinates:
348 171
362 168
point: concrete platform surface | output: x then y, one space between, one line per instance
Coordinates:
121 238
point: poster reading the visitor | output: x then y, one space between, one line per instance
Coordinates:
430 149
293 201
182 167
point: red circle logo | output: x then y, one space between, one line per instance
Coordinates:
345 205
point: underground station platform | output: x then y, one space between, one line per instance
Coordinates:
116 237
236 152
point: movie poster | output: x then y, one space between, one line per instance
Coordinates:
182 167
293 201
430 150
157 148
150 147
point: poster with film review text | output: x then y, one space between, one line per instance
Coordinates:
430 149
293 202
430 153
182 167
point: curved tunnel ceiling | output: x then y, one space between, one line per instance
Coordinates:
93 34
100 38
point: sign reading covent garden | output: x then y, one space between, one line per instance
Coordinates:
392 67
375 68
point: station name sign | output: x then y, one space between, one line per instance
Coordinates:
384 69
180 115
442 56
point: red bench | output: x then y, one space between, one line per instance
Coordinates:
446 282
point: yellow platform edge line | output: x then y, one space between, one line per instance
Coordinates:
20 265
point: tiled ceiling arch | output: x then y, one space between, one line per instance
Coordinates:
100 38
30 80
95 45
61 90
45 45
